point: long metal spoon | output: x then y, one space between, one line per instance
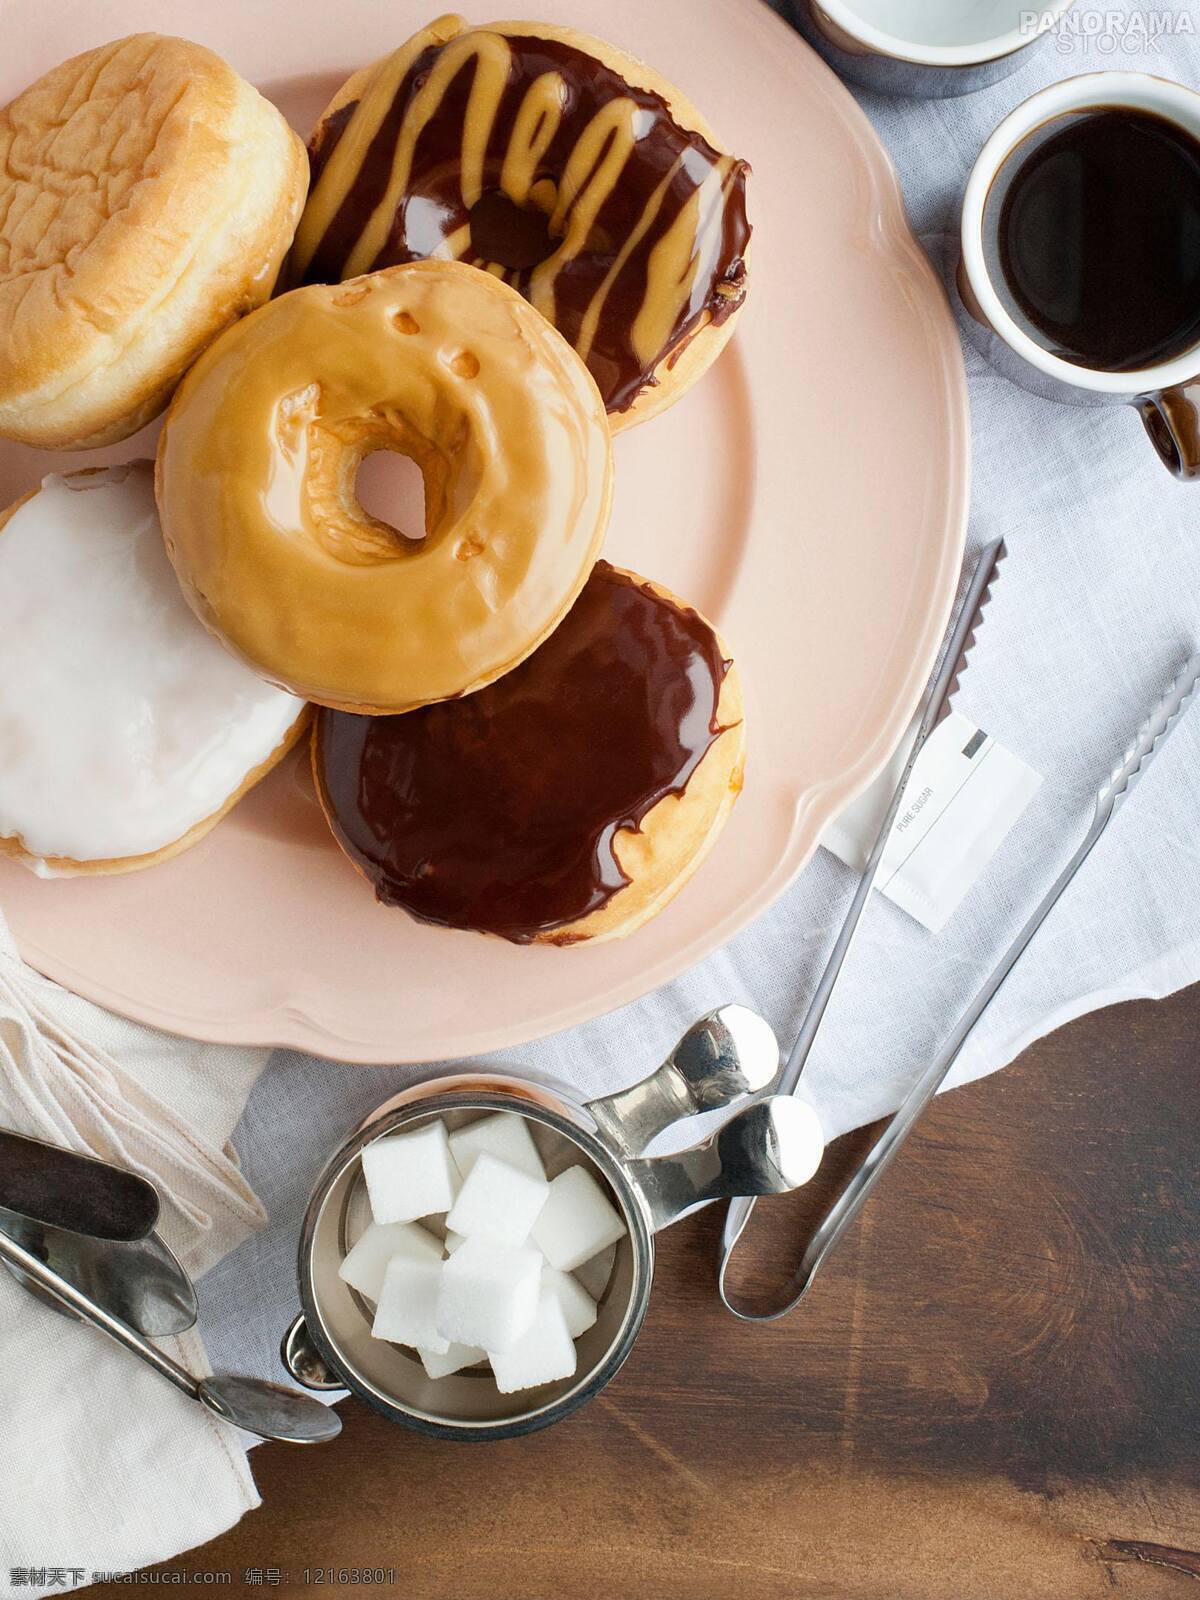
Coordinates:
141 1282
67 1190
267 1409
1120 785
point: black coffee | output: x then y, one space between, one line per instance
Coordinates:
1094 225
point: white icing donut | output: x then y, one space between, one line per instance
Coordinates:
123 723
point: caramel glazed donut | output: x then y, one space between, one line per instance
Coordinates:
128 731
256 468
559 163
147 198
572 798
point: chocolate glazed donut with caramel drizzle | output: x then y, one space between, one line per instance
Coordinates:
570 799
571 170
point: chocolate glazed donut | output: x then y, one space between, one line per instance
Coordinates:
527 149
568 800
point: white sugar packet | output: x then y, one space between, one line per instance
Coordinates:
963 797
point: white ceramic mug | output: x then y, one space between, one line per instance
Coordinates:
1166 395
933 49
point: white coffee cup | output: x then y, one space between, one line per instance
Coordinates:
1166 395
926 48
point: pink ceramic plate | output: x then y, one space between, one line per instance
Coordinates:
809 494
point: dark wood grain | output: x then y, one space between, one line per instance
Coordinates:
992 1394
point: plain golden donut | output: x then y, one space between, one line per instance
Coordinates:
557 161
147 197
256 471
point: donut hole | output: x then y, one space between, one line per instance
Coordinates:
376 485
390 487
514 237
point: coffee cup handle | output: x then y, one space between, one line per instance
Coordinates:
1172 418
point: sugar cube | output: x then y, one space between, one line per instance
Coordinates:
410 1175
498 1201
504 1134
543 1353
576 1221
455 1359
488 1294
406 1313
577 1304
365 1263
594 1274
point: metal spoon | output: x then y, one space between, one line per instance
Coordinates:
141 1283
267 1409
728 1053
68 1190
770 1147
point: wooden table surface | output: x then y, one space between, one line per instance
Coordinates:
992 1394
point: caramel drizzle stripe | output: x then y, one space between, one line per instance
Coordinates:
492 63
537 121
687 252
675 261
346 160
591 317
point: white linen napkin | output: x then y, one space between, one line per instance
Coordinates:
103 1466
